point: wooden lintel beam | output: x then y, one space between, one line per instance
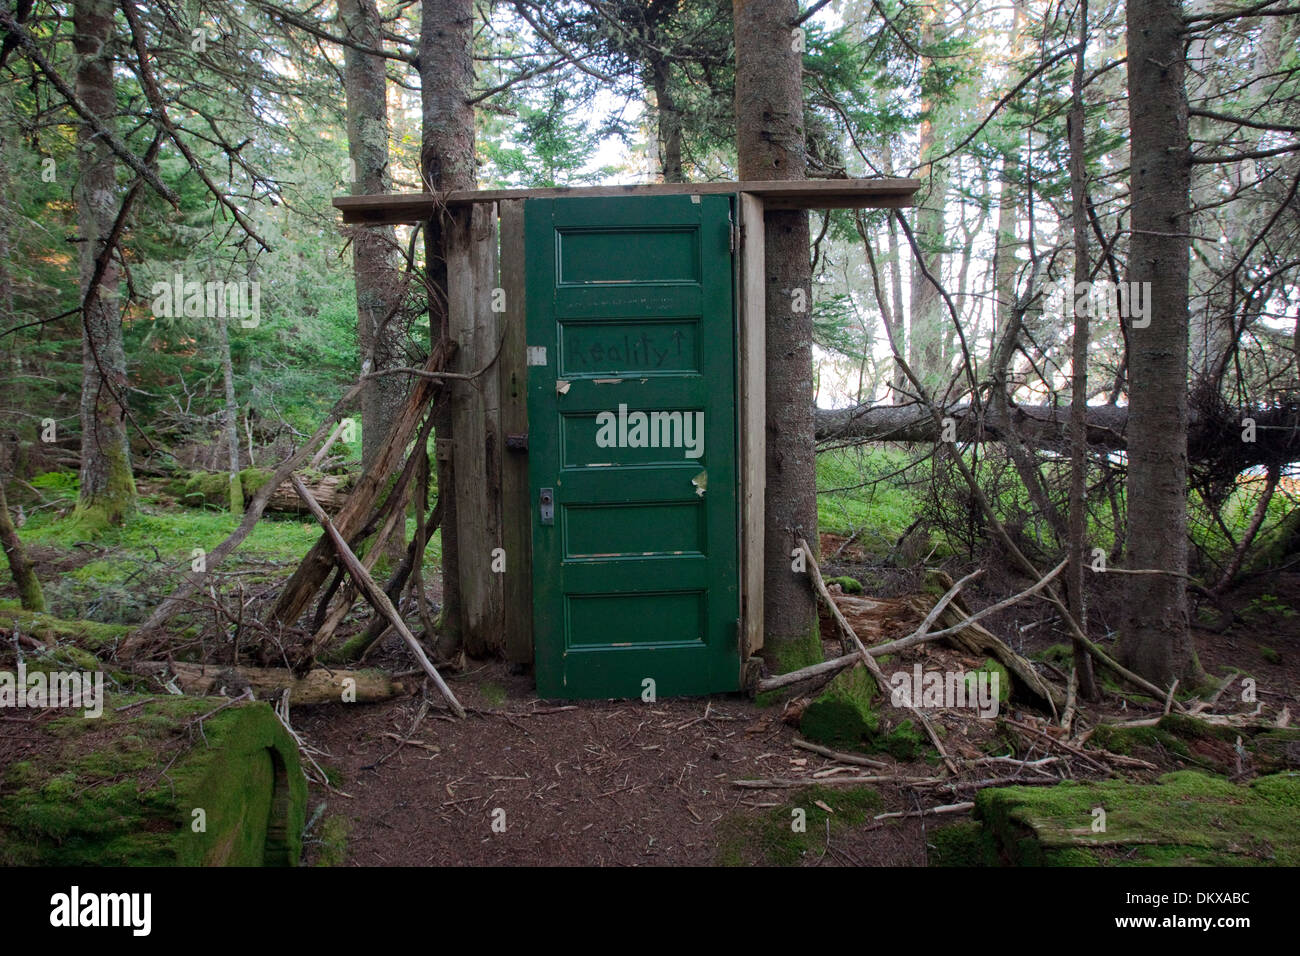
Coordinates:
411 208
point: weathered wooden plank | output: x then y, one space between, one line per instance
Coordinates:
753 418
805 194
476 419
516 516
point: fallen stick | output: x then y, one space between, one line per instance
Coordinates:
375 595
881 681
946 808
786 783
324 449
832 666
1207 704
841 757
1060 743
955 785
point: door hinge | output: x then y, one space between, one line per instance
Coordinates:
734 231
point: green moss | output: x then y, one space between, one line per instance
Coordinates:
1062 655
493 693
1270 656
334 841
1187 817
843 715
782 657
962 844
990 667
254 479
905 742
122 789
47 627
770 839
1205 745
847 584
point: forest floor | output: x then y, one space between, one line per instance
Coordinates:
525 782
632 783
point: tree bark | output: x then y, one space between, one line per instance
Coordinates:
925 340
379 333
446 163
1154 638
770 145
30 595
669 122
236 490
1079 369
107 494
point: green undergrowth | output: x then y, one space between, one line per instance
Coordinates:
771 838
846 503
119 574
91 635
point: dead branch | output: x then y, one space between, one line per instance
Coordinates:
376 596
815 574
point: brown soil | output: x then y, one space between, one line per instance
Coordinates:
596 783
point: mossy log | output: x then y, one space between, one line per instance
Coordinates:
318 686
1187 818
176 781
213 489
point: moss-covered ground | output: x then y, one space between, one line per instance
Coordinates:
153 782
1187 818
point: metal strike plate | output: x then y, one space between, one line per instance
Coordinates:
546 505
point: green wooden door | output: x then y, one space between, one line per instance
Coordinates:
632 445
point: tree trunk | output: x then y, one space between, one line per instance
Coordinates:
770 145
1079 369
1154 638
925 342
107 493
669 122
379 332
897 330
30 595
236 490
446 163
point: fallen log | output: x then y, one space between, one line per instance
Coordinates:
319 686
1277 435
212 488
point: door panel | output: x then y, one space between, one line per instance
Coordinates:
632 428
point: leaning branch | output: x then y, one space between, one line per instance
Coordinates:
374 594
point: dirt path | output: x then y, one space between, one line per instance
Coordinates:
602 783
